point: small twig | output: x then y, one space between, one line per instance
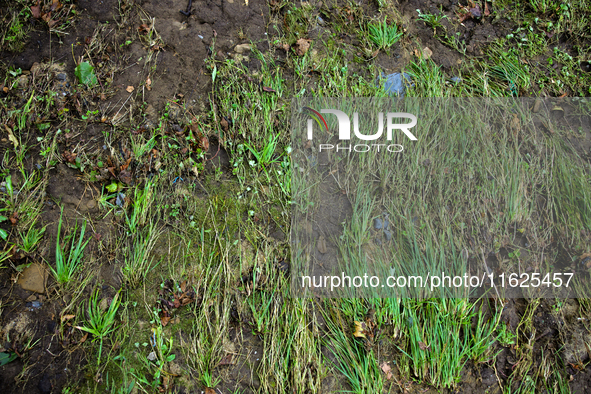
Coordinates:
188 12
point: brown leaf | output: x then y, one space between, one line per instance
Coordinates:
209 390
36 10
164 320
387 370
204 142
124 166
224 124
11 136
227 359
183 286
302 45
125 177
55 5
14 218
46 17
321 246
486 10
144 28
423 346
267 89
67 317
69 157
130 89
359 330
83 339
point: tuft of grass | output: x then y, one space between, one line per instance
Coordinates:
99 323
137 257
384 35
31 239
66 264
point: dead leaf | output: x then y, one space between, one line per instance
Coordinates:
14 218
321 245
224 124
387 370
209 390
67 317
267 89
70 157
125 177
11 136
36 10
130 89
204 142
486 10
423 346
145 29
83 339
55 5
302 45
164 320
227 359
149 83
359 330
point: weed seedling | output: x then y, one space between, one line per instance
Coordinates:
99 323
384 35
66 265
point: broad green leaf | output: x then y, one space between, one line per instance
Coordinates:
112 188
6 358
85 73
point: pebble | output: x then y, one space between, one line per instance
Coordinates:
120 199
395 84
90 204
378 225
388 235
34 305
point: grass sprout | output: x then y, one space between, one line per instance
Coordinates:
384 35
99 323
66 264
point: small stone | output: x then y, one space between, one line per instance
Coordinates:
34 278
378 225
395 84
388 235
31 298
241 48
152 356
91 205
301 46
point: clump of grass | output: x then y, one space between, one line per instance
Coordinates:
67 264
99 322
384 35
30 239
138 262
